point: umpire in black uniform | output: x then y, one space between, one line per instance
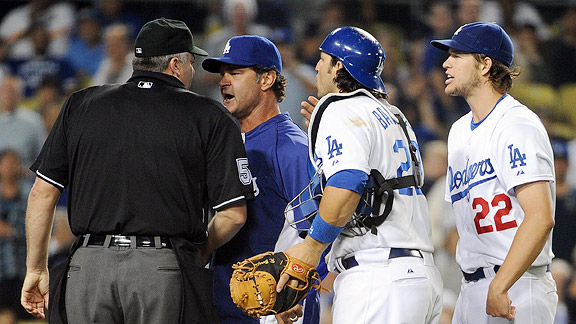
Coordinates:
145 164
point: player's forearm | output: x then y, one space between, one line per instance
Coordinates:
536 201
225 224
336 209
39 219
338 205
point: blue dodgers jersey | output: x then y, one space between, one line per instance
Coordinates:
277 153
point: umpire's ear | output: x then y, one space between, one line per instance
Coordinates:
267 80
174 67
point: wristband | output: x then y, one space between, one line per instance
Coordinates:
322 231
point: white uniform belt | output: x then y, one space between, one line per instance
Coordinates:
380 256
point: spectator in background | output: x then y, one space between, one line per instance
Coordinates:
301 79
333 16
8 316
13 199
440 20
275 14
435 160
117 65
86 50
468 11
529 55
562 271
59 18
4 67
512 13
61 239
570 293
20 128
563 239
448 304
42 64
560 52
239 17
112 12
50 113
405 83
419 110
442 219
50 90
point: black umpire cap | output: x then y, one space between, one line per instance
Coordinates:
164 37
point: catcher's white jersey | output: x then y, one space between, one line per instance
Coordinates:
486 161
356 131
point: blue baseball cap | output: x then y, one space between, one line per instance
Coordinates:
480 37
248 50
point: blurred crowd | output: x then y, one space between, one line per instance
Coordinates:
51 48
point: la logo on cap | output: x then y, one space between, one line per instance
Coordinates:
459 29
138 50
227 48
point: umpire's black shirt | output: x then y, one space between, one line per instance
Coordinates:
147 157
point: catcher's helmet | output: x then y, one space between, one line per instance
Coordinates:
362 55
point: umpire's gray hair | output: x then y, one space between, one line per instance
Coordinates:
157 63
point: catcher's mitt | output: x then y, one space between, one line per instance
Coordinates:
253 283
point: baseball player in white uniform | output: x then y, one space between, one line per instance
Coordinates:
385 264
500 182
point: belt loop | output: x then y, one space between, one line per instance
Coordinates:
339 265
387 255
489 272
107 241
158 242
86 239
132 241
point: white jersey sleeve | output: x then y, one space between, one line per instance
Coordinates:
341 143
522 150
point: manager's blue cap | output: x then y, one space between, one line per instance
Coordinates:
480 37
248 50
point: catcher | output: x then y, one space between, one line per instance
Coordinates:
372 210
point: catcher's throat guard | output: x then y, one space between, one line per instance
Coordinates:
367 215
254 280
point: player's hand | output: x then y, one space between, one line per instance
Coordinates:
304 251
290 316
308 108
35 293
498 304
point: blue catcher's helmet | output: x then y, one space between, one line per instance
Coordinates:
360 53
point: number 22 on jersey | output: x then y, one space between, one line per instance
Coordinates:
500 205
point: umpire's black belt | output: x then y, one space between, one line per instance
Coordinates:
482 273
351 262
159 242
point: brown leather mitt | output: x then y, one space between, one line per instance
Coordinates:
253 283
